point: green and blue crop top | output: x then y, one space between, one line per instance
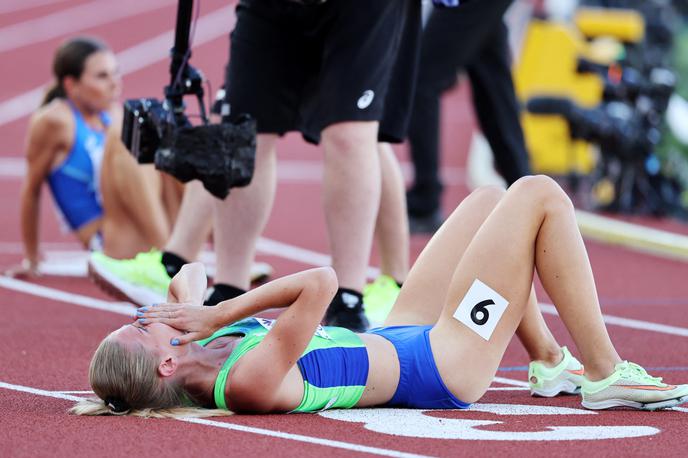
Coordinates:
334 366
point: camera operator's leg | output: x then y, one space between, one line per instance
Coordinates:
351 201
241 218
134 215
193 225
392 238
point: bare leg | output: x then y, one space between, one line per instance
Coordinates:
533 225
351 197
422 297
194 223
241 218
134 216
391 227
536 336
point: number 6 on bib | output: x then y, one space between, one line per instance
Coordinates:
480 309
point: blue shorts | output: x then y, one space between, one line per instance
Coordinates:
420 384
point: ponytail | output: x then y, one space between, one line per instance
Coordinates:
125 382
55 91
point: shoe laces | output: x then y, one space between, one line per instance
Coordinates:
637 371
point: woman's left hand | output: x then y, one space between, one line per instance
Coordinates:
196 321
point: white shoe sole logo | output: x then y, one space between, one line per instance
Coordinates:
365 100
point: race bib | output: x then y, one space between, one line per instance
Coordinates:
481 309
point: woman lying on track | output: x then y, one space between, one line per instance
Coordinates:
105 198
469 291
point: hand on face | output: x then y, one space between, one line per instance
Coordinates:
197 322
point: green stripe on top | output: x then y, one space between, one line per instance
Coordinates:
315 398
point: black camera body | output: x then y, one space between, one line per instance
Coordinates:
221 156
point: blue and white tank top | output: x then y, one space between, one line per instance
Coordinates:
75 183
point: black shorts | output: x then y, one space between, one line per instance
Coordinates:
296 67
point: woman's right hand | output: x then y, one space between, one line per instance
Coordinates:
196 321
27 269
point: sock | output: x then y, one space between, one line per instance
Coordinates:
347 298
173 263
221 292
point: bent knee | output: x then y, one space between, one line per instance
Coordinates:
486 196
350 136
542 189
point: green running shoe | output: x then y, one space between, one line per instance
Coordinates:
141 280
379 297
631 386
565 377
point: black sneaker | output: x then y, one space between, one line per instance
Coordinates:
346 311
425 224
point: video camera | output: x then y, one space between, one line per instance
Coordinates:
619 130
221 156
626 84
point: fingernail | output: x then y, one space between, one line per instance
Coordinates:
155 305
175 342
142 320
139 312
143 309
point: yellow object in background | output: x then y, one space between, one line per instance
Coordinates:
547 67
625 25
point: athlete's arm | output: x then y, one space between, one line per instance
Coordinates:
200 322
255 379
48 135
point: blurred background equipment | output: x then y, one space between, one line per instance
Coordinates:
601 87
221 155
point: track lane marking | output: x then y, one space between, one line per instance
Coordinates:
122 308
72 20
144 54
510 381
24 5
302 255
240 428
628 322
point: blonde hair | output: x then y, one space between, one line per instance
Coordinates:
127 383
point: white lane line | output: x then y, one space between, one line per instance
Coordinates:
122 308
288 171
302 255
210 26
640 238
301 438
38 392
507 388
510 381
72 20
13 7
18 248
629 323
240 428
294 253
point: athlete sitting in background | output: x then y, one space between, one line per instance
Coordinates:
469 291
103 195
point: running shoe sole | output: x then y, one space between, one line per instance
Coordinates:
120 289
565 386
625 403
